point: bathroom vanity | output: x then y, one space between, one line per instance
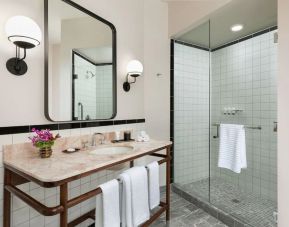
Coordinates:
22 164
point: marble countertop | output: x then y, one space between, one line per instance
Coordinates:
61 166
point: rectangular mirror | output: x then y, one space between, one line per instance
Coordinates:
80 63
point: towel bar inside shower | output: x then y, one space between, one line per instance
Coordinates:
246 126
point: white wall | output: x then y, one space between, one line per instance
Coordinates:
283 113
157 60
22 98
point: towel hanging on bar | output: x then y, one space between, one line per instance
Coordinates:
259 127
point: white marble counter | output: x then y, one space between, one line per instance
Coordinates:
60 166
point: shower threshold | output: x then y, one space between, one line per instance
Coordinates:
228 203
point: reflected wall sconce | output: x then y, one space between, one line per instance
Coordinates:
25 34
134 69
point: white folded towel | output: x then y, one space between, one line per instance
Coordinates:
107 212
232 150
137 180
154 184
143 137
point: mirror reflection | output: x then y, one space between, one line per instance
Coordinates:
81 64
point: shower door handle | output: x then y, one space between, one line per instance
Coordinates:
275 129
217 136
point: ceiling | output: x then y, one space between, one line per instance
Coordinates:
255 15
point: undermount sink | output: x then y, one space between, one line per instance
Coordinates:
112 150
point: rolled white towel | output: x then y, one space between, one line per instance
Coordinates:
143 137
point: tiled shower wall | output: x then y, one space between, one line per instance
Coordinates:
244 76
25 216
94 92
104 90
85 87
191 114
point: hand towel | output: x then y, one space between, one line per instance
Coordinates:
107 205
137 180
154 184
232 150
139 194
126 205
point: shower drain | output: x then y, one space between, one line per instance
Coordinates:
236 201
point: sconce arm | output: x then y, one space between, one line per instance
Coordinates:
134 79
18 59
24 55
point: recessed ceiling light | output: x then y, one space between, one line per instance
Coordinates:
237 27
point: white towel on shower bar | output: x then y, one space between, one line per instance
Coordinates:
107 212
232 150
154 184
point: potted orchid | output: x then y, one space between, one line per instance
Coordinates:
43 140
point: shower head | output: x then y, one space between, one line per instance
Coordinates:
89 75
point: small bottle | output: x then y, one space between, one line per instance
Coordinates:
127 136
117 136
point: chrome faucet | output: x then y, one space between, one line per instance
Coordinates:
93 141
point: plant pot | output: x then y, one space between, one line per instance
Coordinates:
45 152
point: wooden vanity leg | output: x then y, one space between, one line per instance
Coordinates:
131 164
168 182
7 199
63 202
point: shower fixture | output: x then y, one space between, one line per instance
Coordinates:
231 111
89 75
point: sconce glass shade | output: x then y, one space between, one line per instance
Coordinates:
23 32
134 68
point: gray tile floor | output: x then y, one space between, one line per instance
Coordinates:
249 208
185 214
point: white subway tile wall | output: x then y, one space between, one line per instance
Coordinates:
93 88
23 215
244 76
104 95
191 114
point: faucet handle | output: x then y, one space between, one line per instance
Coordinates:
102 139
84 144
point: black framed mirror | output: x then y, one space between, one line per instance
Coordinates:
80 63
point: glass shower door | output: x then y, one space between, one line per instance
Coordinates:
243 91
191 97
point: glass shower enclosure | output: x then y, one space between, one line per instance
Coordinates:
221 78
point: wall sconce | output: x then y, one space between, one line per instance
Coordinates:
25 34
134 69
